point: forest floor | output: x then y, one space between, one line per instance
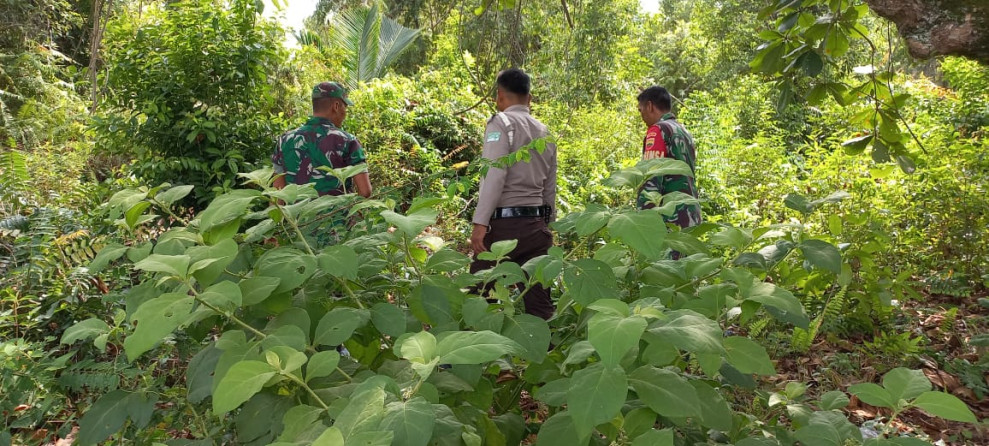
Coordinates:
944 355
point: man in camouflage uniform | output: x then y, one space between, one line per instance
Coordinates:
667 138
321 142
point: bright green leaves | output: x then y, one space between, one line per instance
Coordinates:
174 266
642 231
689 331
747 356
613 336
89 328
779 302
156 319
388 319
411 225
240 383
903 388
665 392
905 384
227 208
589 280
322 364
338 325
596 395
531 333
828 429
338 261
822 255
420 350
291 266
411 421
474 347
945 406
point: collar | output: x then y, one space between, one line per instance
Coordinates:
318 120
518 108
667 116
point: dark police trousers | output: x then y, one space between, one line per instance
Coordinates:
534 240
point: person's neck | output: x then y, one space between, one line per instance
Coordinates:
513 104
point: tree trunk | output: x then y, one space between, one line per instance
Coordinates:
940 27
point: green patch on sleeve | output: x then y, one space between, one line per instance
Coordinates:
493 136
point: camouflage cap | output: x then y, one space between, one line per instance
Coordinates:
331 90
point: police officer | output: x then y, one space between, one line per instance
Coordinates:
321 142
516 202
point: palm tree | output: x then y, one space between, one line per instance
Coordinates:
372 42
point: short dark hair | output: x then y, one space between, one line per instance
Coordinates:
320 105
658 96
515 81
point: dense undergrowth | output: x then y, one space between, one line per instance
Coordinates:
155 289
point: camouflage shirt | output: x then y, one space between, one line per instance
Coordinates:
317 143
669 139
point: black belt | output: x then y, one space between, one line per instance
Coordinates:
522 211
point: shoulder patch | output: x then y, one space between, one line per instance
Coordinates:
492 137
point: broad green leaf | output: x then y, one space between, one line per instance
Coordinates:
596 395
388 319
172 265
502 248
223 295
104 418
690 331
418 348
748 356
135 215
872 394
226 208
301 424
613 307
240 383
330 437
156 319
89 328
945 406
613 336
173 194
446 261
199 373
638 421
787 307
592 219
338 261
665 392
559 430
554 393
411 421
288 359
322 364
255 290
413 224
222 254
291 266
588 280
822 255
363 413
715 412
642 231
338 325
834 399
903 383
108 254
655 437
828 429
474 347
732 237
531 332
